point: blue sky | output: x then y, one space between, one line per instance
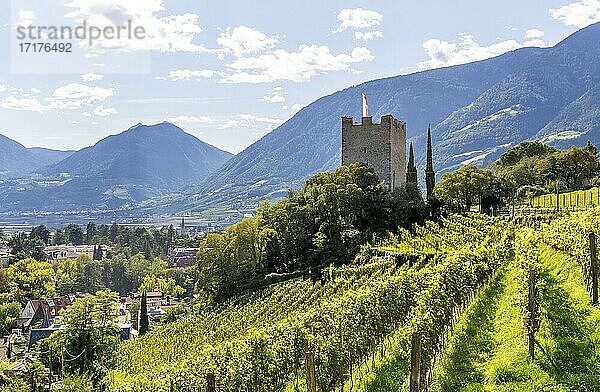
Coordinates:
230 71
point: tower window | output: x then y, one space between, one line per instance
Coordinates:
365 150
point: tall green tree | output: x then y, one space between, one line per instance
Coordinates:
143 318
525 149
89 336
91 232
465 187
75 234
232 262
41 232
33 279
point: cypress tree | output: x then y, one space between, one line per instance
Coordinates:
429 173
148 251
97 253
411 170
143 322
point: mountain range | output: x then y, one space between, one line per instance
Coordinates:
134 165
16 160
476 111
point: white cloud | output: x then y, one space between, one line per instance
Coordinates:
101 111
358 35
2 88
277 96
76 95
298 106
170 33
534 34
33 90
535 42
190 120
29 104
26 18
579 14
300 66
86 114
244 40
443 53
188 74
92 77
250 121
357 18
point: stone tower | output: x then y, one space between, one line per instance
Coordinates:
382 147
429 173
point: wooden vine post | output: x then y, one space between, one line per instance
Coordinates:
594 268
532 313
415 363
311 380
210 382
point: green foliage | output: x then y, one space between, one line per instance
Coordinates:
466 187
41 232
32 279
232 262
74 234
10 312
36 376
489 349
539 165
79 275
165 285
89 337
138 267
24 246
257 341
527 149
324 223
332 216
75 384
144 321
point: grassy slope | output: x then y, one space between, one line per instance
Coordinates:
488 350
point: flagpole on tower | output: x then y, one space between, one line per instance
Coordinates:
365 106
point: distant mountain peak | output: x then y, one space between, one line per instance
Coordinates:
131 166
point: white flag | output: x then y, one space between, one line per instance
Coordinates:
365 106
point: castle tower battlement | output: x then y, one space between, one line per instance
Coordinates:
380 146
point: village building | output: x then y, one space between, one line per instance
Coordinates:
42 312
63 252
157 304
181 257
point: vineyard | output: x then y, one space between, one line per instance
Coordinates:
535 328
258 343
576 199
493 306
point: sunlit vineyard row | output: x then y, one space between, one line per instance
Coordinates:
576 199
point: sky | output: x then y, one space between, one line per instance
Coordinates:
230 71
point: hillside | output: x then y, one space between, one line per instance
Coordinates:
258 341
46 156
460 286
476 110
16 160
141 162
